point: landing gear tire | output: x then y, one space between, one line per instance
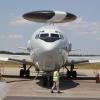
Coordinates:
51 81
68 74
24 73
74 74
27 73
47 82
21 73
44 81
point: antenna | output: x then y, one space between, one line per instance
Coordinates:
49 16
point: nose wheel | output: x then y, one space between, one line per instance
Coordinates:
47 81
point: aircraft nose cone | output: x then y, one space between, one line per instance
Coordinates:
50 46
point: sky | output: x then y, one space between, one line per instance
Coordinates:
83 33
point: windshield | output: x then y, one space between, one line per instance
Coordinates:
44 35
49 37
54 35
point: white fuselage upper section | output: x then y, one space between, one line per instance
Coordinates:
48 48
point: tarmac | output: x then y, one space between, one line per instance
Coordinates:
84 86
48 98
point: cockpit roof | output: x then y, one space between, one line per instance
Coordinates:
50 29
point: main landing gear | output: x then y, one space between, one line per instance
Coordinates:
24 72
71 72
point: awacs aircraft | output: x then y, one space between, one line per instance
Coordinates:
48 47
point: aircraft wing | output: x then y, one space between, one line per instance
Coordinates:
16 58
83 59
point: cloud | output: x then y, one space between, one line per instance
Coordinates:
98 38
19 21
81 27
11 36
15 36
77 28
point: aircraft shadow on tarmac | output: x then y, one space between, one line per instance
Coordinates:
64 84
67 84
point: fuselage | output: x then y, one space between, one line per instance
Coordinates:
48 48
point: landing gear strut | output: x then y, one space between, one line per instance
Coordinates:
71 72
24 72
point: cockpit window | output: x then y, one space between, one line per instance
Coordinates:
49 37
44 35
55 35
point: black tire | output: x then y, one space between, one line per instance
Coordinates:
27 73
74 74
68 74
50 81
44 81
21 73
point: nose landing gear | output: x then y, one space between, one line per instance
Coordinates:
47 80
